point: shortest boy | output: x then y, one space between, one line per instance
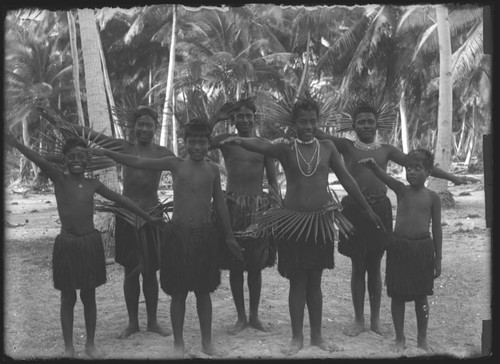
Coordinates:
188 252
413 255
78 255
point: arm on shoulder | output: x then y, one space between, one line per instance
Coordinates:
217 139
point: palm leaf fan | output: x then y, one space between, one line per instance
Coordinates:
63 131
386 114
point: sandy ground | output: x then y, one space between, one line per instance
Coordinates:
461 300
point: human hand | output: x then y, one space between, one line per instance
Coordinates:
155 219
98 151
368 162
463 180
235 248
376 220
437 268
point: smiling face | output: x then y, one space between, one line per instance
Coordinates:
244 120
197 147
144 129
306 124
365 126
77 159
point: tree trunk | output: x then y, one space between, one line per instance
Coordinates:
26 141
306 67
76 66
444 133
404 125
167 109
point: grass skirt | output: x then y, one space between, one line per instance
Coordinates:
410 267
136 248
78 262
304 250
188 259
258 252
366 236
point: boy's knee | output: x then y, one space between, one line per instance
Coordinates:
68 297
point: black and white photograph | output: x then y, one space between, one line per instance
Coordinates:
248 181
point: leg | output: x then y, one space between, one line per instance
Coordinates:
177 312
358 294
68 300
422 314
296 304
204 309
236 283
398 318
374 288
254 288
150 290
131 290
90 312
314 300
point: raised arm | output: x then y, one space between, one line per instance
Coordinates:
123 201
257 145
161 164
391 182
437 233
399 157
33 156
351 187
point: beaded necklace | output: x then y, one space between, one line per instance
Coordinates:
358 144
309 171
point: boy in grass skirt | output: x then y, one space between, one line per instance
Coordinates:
413 254
244 198
188 250
141 186
367 246
78 255
307 248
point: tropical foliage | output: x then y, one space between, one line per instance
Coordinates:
386 53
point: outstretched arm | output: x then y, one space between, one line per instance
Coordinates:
351 187
391 182
257 145
123 201
160 164
216 140
399 157
33 156
223 216
340 143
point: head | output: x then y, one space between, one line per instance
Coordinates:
145 124
305 115
364 123
244 116
419 164
76 155
197 138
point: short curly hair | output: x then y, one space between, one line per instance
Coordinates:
307 104
73 143
144 110
197 127
421 155
364 108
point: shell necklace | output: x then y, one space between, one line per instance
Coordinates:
358 144
309 168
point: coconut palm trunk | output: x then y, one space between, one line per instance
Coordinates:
444 133
76 66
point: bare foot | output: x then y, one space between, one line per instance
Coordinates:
158 329
91 351
356 329
423 344
295 346
256 324
128 331
178 352
376 327
209 349
69 352
398 346
323 345
238 326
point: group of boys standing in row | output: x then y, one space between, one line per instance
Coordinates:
189 251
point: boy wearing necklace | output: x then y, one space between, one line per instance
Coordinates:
188 252
366 247
78 255
244 197
302 258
